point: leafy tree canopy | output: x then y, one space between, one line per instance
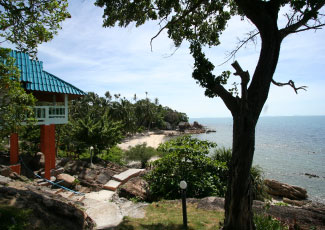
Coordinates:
15 103
27 23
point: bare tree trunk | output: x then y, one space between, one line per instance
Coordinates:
238 213
238 204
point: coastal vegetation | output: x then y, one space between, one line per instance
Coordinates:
98 123
187 158
201 24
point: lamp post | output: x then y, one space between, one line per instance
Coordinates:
183 186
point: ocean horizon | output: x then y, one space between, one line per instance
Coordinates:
287 148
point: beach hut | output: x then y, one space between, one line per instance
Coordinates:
52 94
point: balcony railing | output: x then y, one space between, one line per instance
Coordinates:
51 114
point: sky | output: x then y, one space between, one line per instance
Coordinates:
120 60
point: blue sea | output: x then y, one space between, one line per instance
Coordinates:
286 148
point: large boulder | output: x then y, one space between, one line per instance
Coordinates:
292 192
66 180
184 125
136 187
5 171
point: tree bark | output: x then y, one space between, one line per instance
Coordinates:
238 206
238 203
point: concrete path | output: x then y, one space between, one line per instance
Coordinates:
108 211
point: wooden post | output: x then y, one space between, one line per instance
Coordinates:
52 145
14 153
14 148
45 149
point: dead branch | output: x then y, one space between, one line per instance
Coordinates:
244 75
290 83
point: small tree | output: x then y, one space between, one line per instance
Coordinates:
15 103
186 158
91 125
142 153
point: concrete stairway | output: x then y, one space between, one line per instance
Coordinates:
122 178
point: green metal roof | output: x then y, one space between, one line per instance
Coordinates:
37 79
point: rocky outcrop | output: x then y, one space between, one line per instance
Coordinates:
292 192
307 216
136 187
93 176
48 210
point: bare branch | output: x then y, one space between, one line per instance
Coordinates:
164 27
290 83
301 20
240 45
168 56
317 27
244 75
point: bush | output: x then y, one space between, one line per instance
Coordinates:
114 154
264 222
258 188
185 158
141 153
223 155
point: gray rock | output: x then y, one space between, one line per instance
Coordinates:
135 187
292 192
5 171
4 180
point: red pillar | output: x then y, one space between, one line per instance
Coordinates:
52 145
45 149
14 148
14 151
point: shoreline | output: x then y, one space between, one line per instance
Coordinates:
155 138
152 139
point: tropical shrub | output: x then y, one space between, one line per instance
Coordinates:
142 153
258 188
114 154
185 158
266 222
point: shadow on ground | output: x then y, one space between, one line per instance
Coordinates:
125 225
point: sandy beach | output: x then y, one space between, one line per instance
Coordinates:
151 138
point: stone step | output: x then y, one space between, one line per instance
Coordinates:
126 175
112 185
66 194
102 195
78 197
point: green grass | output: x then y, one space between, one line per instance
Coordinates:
168 215
12 218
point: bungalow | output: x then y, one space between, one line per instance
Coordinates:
52 94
